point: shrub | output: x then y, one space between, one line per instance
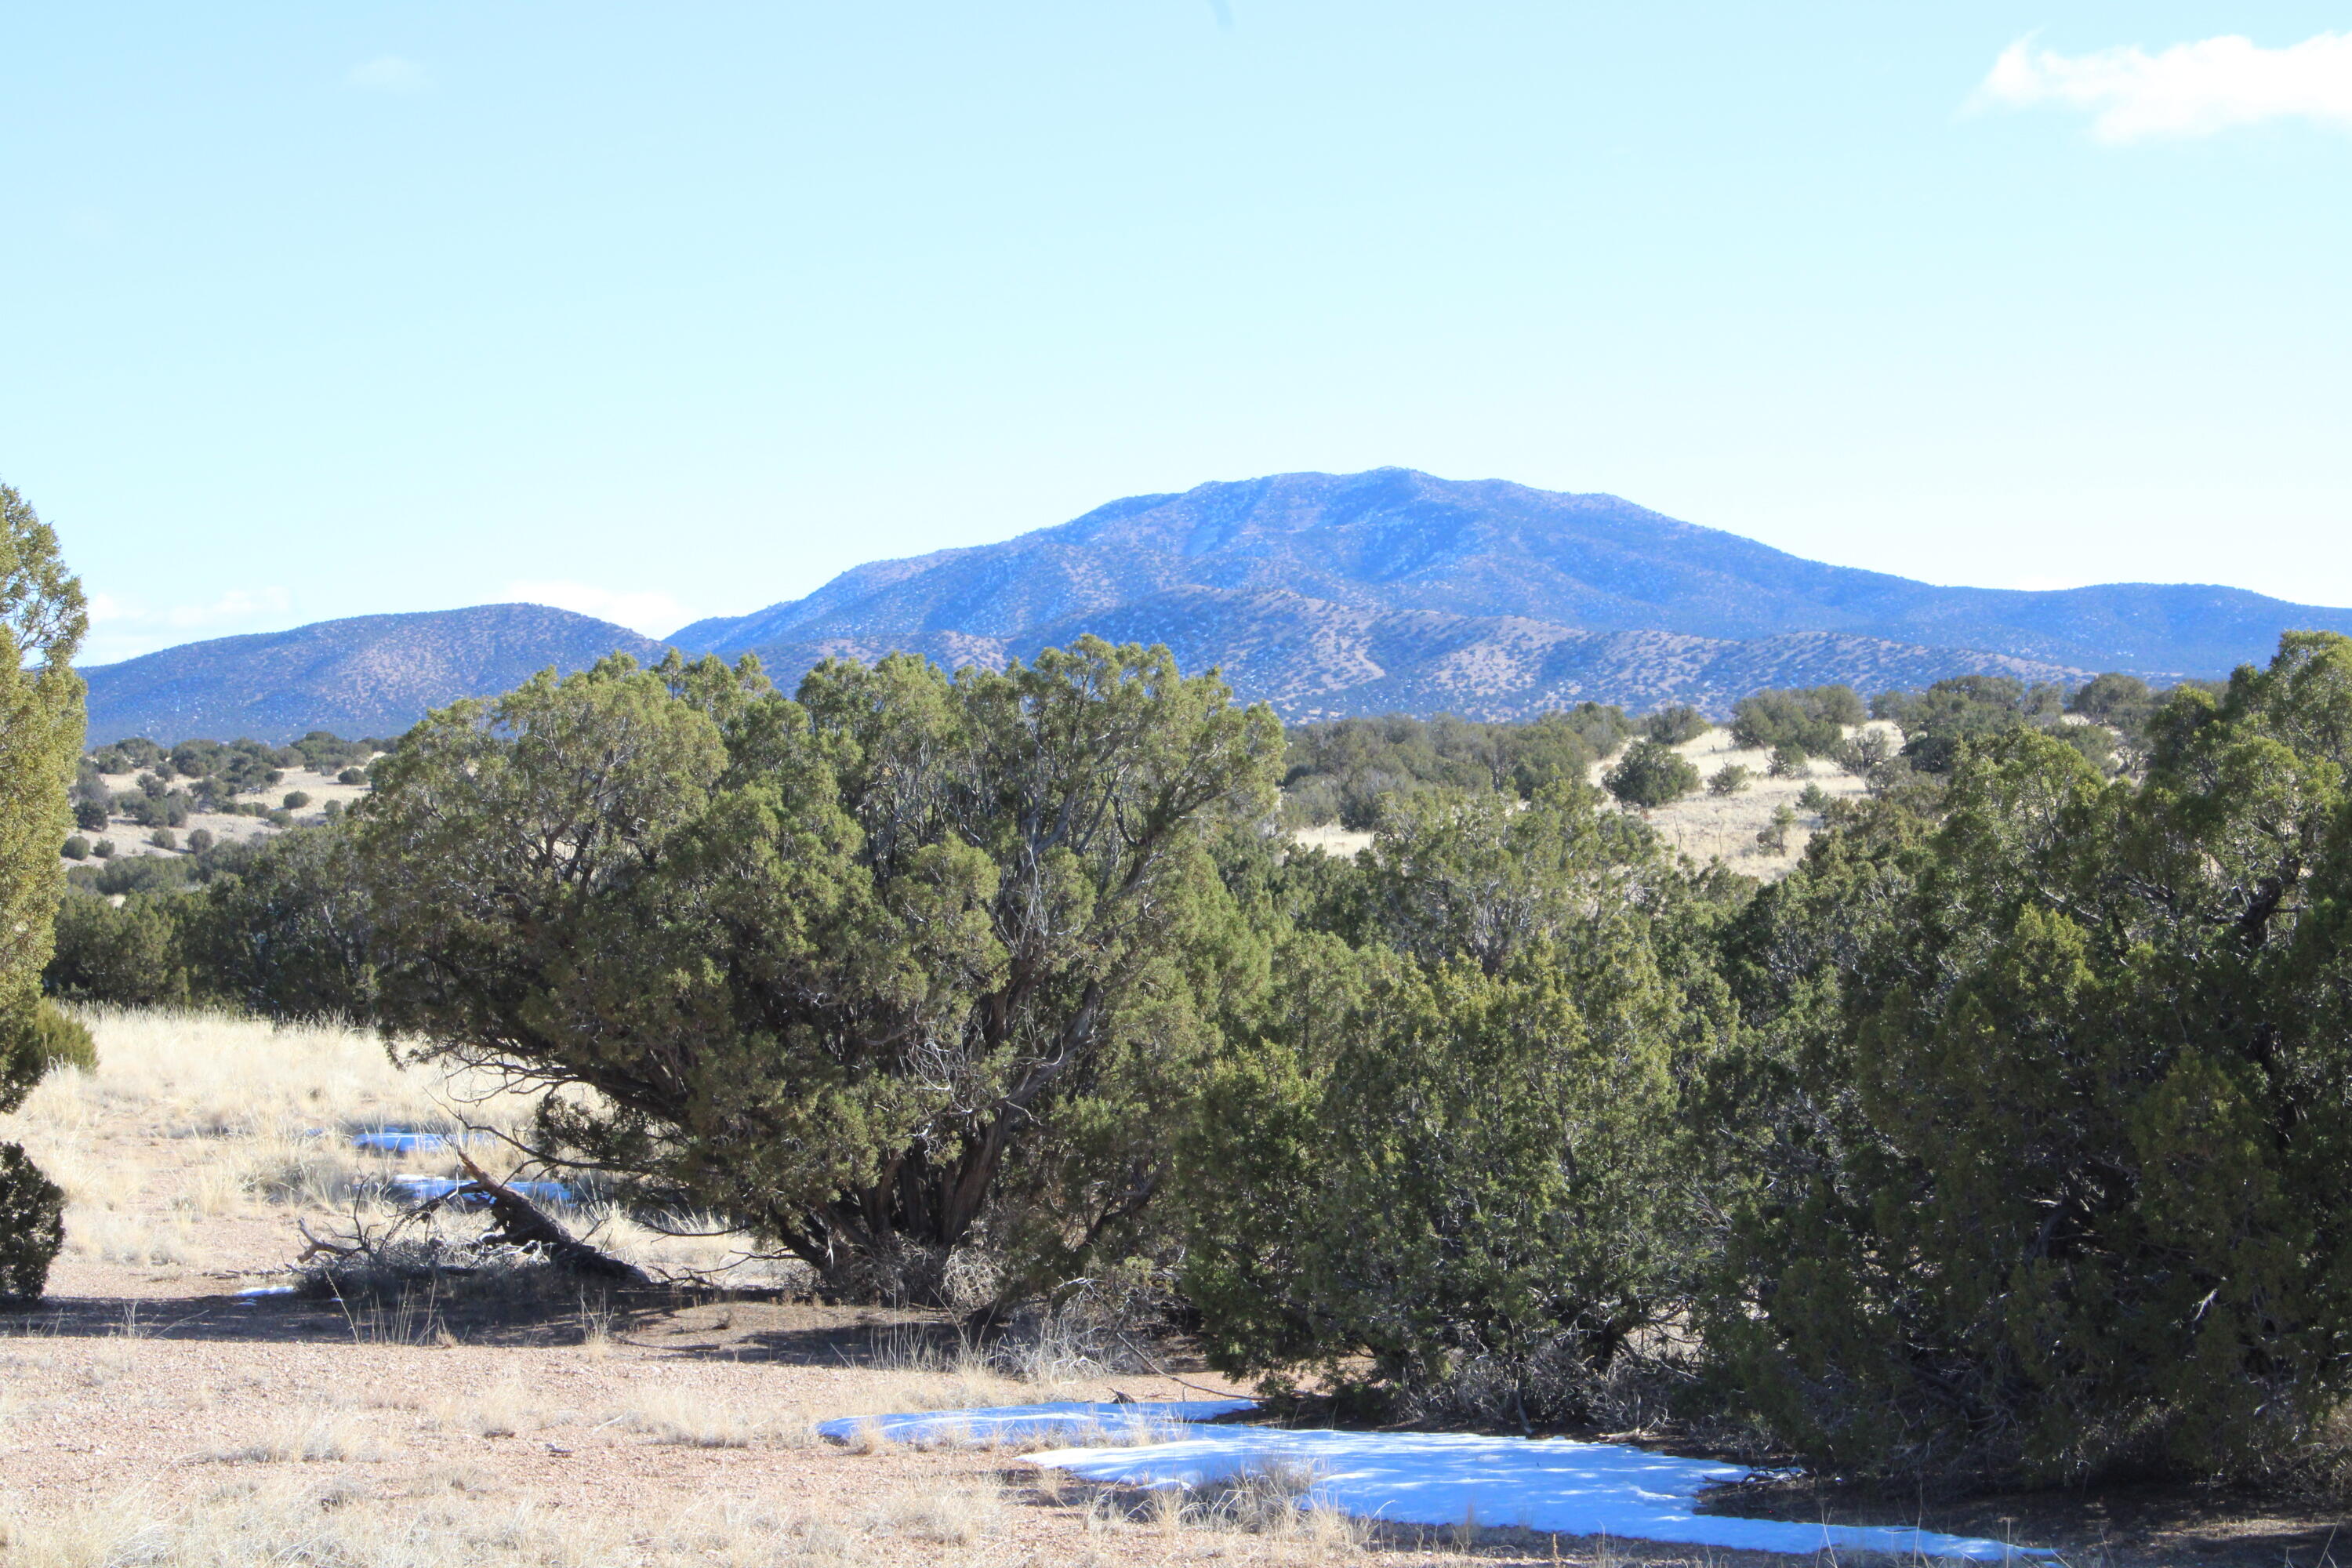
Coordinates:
164 839
1812 718
90 815
1673 726
1730 779
126 954
32 1226
1774 835
200 841
1790 761
296 799
1650 775
103 849
2051 1185
351 776
1443 1166
278 819
76 848
1814 798
333 811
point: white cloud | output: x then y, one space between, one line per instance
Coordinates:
2189 90
650 611
122 629
388 73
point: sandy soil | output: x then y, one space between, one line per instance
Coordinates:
151 1414
131 839
1708 827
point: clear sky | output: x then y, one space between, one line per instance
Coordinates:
663 312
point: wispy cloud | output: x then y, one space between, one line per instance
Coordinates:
2189 90
388 73
650 611
119 629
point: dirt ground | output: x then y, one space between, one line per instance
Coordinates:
151 1414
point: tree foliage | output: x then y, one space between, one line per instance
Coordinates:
835 966
1445 1163
1651 773
42 619
2047 1108
1341 770
1807 719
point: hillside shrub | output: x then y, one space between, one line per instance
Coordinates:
1342 770
2046 1182
296 799
1809 718
31 1226
1673 726
1650 774
76 848
1730 779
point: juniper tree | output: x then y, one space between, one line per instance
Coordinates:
2048 1108
834 967
42 619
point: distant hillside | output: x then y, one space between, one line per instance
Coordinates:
1313 659
1326 595
371 675
1394 541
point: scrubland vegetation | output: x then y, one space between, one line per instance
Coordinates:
1998 1142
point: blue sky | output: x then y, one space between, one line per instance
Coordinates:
319 310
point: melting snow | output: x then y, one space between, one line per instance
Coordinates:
1411 1477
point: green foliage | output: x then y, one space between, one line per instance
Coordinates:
1790 760
42 619
1446 1162
862 961
286 931
1730 779
1809 719
76 848
351 776
65 1041
1651 773
296 799
127 955
200 841
1673 726
1341 770
32 1226
1774 835
2048 1108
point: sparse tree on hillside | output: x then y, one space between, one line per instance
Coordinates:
1650 775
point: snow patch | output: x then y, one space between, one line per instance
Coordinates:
1555 1486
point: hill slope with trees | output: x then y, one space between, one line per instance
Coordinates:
371 675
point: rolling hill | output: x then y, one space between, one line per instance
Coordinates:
371 675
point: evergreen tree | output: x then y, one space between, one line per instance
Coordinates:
42 619
2044 1114
834 966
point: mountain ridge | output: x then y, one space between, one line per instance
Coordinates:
1324 594
1396 539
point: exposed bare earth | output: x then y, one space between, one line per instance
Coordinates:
150 1415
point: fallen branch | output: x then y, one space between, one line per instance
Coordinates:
521 1223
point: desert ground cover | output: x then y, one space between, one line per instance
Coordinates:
152 1411
322 785
1710 826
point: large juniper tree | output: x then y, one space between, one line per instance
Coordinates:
41 624
835 967
2049 1108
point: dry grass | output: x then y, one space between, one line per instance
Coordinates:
194 1118
1708 826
